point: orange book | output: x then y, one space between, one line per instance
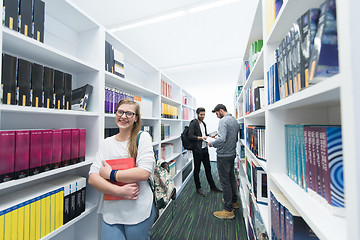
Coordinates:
119 164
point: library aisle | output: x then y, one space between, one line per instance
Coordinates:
191 217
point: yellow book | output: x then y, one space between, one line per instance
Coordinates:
14 222
27 221
59 208
53 207
32 219
8 223
47 213
20 223
2 223
37 218
43 218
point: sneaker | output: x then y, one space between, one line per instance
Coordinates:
235 205
225 214
199 191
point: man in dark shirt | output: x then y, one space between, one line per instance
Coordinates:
197 134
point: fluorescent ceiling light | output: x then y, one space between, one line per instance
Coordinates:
173 15
150 21
210 5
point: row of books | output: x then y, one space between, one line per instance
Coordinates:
254 54
257 229
165 131
255 97
272 9
26 17
315 162
166 89
114 60
30 84
34 212
167 150
257 179
108 132
113 96
29 152
169 111
255 140
298 62
286 222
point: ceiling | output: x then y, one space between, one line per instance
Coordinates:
209 40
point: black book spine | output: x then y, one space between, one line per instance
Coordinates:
38 20
59 89
67 91
25 16
48 87
107 55
37 85
8 79
11 14
24 82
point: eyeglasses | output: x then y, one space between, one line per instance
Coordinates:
128 114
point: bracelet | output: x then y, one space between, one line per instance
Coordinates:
113 175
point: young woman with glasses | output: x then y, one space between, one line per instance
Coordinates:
133 217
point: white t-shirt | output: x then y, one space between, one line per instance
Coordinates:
127 211
202 128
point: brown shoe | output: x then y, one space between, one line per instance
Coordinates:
217 190
225 214
199 191
235 205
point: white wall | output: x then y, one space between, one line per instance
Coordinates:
210 86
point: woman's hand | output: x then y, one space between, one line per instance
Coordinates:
105 170
130 191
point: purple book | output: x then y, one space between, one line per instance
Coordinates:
318 162
7 155
314 172
47 146
35 151
82 144
22 153
74 154
57 148
66 147
308 162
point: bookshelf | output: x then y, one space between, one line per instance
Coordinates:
76 44
331 101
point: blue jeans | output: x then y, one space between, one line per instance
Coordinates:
129 232
228 181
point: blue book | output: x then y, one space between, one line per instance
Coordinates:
278 5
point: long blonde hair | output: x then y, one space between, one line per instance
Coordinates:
132 148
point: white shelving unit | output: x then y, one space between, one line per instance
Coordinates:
75 43
331 101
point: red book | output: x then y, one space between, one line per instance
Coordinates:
56 148
35 151
22 153
46 158
82 144
119 164
66 147
7 155
74 154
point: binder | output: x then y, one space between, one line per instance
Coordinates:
80 97
8 78
7 155
119 63
11 14
107 56
67 91
48 87
82 144
66 147
35 151
59 89
57 148
23 83
37 84
47 146
75 141
25 16
22 153
38 20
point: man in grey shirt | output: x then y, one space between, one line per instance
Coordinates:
226 152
